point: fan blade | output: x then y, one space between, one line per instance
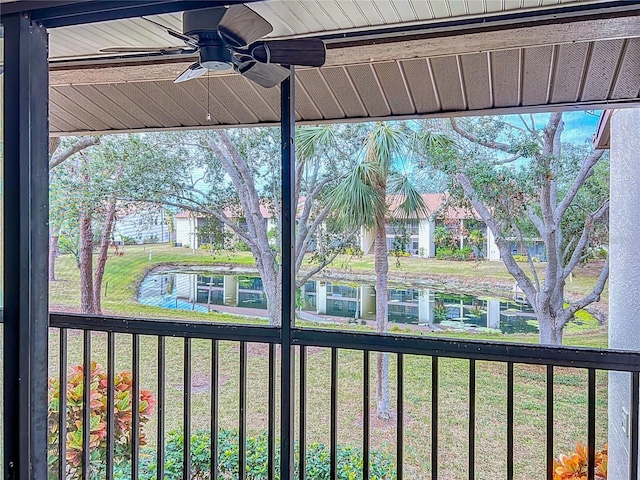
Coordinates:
174 33
144 49
263 74
241 26
309 52
194 71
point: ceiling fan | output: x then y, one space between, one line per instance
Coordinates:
228 38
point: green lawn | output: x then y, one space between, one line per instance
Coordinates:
123 274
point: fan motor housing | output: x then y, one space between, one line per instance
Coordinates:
203 23
215 57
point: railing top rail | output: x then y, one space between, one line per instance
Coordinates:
578 357
168 328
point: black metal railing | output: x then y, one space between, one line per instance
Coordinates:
303 339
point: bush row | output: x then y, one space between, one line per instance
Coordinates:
382 466
465 253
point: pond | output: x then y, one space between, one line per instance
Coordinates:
321 300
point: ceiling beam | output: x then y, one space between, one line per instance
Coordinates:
66 13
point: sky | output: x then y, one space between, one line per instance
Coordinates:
579 126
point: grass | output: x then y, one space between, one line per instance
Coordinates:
123 274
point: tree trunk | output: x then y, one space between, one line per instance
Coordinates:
272 284
102 257
53 254
85 264
381 262
550 333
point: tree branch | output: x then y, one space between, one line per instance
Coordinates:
594 296
474 138
81 144
586 170
589 223
532 267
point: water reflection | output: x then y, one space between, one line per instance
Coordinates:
331 301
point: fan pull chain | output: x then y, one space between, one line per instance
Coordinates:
208 97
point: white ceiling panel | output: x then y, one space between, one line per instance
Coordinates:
421 9
288 17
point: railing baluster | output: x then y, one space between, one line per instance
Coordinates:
549 422
111 368
242 448
635 399
186 411
509 420
135 407
62 408
591 426
214 409
333 473
366 430
434 418
303 413
400 416
472 419
86 406
161 407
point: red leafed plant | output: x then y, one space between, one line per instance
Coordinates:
574 465
122 418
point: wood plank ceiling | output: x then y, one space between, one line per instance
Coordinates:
583 65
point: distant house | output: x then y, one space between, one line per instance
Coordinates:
420 231
143 225
189 223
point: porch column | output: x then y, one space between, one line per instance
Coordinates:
493 253
25 229
288 364
426 246
366 240
624 287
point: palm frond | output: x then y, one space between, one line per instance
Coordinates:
310 139
412 205
384 143
356 199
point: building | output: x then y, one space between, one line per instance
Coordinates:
420 232
144 225
189 223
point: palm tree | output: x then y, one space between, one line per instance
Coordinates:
442 236
361 198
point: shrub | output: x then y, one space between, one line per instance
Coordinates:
399 253
241 246
521 258
465 253
128 240
353 251
123 385
574 465
317 456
